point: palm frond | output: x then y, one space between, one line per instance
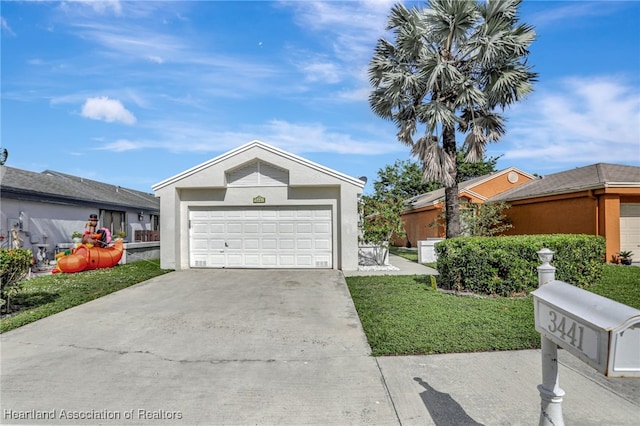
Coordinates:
436 163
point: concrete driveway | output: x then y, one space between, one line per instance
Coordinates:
200 347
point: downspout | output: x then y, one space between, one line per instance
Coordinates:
594 198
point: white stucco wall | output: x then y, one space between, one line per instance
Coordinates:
309 185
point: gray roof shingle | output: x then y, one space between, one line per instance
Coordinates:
60 186
594 176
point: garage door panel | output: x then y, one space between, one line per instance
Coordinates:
304 228
321 228
216 260
287 244
269 228
304 260
251 228
305 244
233 244
216 228
261 237
286 260
200 228
322 245
199 214
286 228
251 260
234 228
269 260
269 214
630 228
269 243
251 244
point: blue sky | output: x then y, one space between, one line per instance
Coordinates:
131 93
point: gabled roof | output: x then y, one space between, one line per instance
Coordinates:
595 176
437 196
59 187
266 147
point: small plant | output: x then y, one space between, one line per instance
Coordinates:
625 257
14 267
76 234
121 234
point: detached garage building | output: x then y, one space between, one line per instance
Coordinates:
259 207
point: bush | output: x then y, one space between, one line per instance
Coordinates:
507 265
14 267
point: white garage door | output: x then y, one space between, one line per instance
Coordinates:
261 237
630 228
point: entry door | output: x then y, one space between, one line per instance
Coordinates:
261 237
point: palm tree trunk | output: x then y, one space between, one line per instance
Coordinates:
451 191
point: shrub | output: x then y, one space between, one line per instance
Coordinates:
14 267
507 265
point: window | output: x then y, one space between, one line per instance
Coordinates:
113 220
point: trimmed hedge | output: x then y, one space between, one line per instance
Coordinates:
507 265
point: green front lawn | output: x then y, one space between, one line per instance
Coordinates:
405 315
408 254
46 295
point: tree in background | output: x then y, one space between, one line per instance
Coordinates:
452 66
404 179
380 223
479 220
475 169
484 220
401 180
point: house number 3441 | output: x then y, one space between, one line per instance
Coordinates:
566 329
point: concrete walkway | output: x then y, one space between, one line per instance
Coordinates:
212 347
257 347
405 267
497 388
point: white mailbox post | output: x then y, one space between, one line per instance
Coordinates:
601 332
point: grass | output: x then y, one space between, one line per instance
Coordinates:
408 254
405 315
46 295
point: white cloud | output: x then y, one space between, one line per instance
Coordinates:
322 71
5 26
179 137
122 145
99 6
573 12
586 120
350 30
109 110
314 137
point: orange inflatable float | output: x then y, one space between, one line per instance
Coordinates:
86 258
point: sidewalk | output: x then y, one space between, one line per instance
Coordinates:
500 388
497 388
405 267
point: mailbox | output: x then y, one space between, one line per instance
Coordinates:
603 333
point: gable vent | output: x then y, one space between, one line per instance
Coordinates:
258 174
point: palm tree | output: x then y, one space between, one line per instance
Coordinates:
454 66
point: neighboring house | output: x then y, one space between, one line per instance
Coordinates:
259 207
422 211
46 208
600 199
